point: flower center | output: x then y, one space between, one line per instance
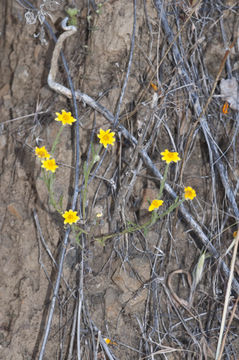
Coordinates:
106 138
65 117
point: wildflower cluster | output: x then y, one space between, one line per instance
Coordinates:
106 138
48 163
189 192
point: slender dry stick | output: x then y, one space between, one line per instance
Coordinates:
24 117
228 327
80 300
227 298
73 332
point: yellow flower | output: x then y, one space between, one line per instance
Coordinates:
235 234
169 156
42 153
155 204
108 341
70 217
66 118
99 215
49 165
106 137
189 193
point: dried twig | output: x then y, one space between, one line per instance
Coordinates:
227 299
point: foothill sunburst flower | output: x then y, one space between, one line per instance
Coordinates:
42 153
49 165
189 193
65 117
108 341
169 156
155 204
70 217
106 137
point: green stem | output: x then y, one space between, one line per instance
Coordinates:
85 195
87 171
51 194
154 213
163 181
171 208
49 180
145 226
56 141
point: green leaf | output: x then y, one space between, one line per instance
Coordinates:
61 201
72 12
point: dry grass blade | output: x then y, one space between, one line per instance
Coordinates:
165 350
227 300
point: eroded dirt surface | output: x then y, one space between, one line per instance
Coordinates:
121 278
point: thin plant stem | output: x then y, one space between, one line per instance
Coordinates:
87 171
155 214
163 181
227 298
56 141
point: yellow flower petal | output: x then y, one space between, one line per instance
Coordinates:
106 137
108 341
65 117
155 204
49 165
42 153
189 193
70 217
169 156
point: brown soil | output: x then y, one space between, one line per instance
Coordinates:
122 286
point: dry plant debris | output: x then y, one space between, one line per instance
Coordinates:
169 290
